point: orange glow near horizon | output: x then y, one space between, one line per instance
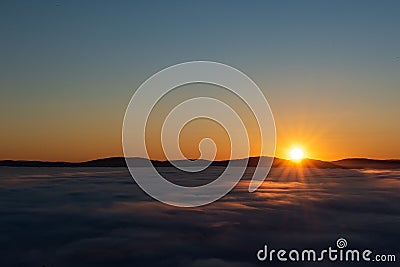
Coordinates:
84 134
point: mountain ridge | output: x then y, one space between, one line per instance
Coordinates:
348 163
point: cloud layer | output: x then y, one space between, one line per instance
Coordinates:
99 217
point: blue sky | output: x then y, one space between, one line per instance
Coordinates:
75 61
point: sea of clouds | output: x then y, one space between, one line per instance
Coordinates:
99 217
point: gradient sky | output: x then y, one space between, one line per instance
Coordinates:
329 69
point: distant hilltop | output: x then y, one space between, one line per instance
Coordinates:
350 163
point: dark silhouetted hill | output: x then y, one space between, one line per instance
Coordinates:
351 163
363 163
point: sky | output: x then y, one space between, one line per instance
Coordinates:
329 69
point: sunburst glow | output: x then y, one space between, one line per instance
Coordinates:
296 154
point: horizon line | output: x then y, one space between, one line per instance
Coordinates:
220 160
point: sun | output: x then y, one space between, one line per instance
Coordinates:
296 154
